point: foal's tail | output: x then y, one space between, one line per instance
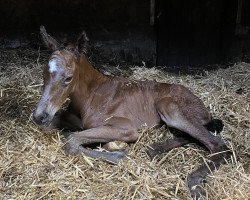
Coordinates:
215 125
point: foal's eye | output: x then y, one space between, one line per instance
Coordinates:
67 80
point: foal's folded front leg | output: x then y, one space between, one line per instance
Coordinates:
111 157
99 134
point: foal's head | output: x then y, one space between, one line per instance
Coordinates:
60 76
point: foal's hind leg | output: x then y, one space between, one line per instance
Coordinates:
163 147
214 125
179 116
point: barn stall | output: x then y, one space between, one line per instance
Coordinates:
203 45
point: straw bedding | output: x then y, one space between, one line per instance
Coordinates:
33 164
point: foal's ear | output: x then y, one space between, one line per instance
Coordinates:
49 41
82 43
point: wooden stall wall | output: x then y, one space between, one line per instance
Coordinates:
186 35
119 30
198 33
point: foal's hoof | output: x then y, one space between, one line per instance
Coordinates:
151 153
198 193
195 184
154 150
115 157
71 149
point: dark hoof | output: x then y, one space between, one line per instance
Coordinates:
71 147
115 157
198 193
69 150
195 184
154 150
151 153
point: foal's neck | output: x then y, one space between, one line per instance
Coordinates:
88 80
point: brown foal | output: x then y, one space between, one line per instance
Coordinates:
104 109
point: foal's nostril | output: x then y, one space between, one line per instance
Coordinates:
41 119
44 117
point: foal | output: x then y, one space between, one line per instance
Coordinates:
104 109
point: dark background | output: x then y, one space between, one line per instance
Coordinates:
186 35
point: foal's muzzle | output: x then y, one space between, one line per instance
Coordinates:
41 119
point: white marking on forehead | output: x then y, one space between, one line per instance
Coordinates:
53 65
